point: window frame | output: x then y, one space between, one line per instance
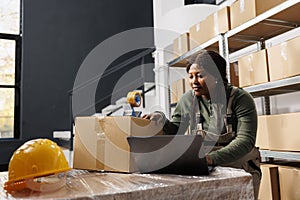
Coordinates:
17 84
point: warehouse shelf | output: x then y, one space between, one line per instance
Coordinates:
241 40
273 22
181 60
275 87
280 155
277 20
282 86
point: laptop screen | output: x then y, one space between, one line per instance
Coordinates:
169 154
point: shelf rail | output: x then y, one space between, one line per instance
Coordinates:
280 155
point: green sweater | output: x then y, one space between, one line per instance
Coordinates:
244 123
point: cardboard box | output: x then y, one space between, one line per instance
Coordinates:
289 182
242 11
195 37
262 136
214 24
87 130
234 74
222 20
284 59
282 131
180 87
285 132
269 185
177 90
187 86
181 45
101 143
265 5
174 97
253 69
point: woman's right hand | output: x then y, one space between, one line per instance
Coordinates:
156 116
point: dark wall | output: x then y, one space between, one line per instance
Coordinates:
187 2
113 90
57 36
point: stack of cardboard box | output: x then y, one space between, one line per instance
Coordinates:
101 143
280 181
214 24
228 18
275 132
242 11
275 63
279 133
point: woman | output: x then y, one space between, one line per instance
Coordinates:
224 113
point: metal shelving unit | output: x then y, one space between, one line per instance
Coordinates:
271 23
282 86
180 61
276 21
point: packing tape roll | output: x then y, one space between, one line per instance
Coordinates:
134 99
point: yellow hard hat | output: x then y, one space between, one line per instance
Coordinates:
36 158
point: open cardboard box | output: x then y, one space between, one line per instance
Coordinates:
101 143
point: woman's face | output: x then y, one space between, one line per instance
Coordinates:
201 80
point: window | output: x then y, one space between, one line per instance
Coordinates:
10 61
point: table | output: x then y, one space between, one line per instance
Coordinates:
223 183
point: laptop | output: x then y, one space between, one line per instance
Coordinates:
169 154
